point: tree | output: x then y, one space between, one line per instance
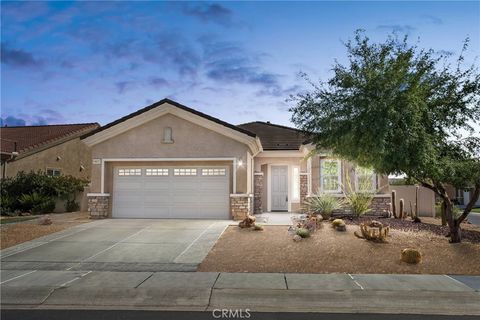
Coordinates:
400 109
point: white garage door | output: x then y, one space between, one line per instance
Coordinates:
171 192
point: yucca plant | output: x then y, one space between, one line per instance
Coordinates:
322 203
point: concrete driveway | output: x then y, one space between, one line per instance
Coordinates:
119 245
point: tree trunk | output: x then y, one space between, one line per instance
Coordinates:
443 213
454 224
455 232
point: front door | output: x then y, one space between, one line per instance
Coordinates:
279 188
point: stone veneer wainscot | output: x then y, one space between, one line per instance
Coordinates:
98 204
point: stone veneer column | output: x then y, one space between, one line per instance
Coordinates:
98 205
381 204
240 205
303 187
257 192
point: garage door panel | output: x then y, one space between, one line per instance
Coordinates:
170 196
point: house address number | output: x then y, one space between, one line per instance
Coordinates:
96 161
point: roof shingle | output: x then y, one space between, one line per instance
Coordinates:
26 138
276 137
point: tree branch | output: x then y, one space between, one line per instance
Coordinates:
471 203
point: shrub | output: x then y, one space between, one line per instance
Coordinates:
322 203
72 206
38 183
6 205
302 232
359 201
36 203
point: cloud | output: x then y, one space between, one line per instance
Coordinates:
18 57
405 28
231 63
174 49
432 19
43 117
158 82
11 121
21 11
124 86
215 13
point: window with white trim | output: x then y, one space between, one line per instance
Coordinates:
214 172
295 183
129 172
330 175
156 172
366 179
185 172
54 172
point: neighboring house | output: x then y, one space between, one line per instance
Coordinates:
53 149
170 161
461 197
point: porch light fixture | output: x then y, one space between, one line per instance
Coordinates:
240 163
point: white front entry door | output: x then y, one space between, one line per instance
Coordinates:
279 182
171 192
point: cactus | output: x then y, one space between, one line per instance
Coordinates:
416 202
394 203
412 256
337 222
374 231
401 215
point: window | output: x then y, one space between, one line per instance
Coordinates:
184 172
213 172
366 179
156 172
167 135
53 172
330 175
296 183
129 172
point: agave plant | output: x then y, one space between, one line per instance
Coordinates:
323 203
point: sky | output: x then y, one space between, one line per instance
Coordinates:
76 62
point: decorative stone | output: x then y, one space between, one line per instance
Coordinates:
341 227
297 238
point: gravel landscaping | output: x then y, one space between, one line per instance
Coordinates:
16 233
330 251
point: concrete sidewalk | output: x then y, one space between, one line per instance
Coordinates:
406 294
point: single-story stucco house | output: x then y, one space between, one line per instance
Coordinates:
170 161
52 149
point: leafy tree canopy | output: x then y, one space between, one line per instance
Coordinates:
399 109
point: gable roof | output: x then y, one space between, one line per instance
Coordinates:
29 138
173 103
275 136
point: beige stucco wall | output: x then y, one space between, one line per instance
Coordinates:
73 153
190 141
426 199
